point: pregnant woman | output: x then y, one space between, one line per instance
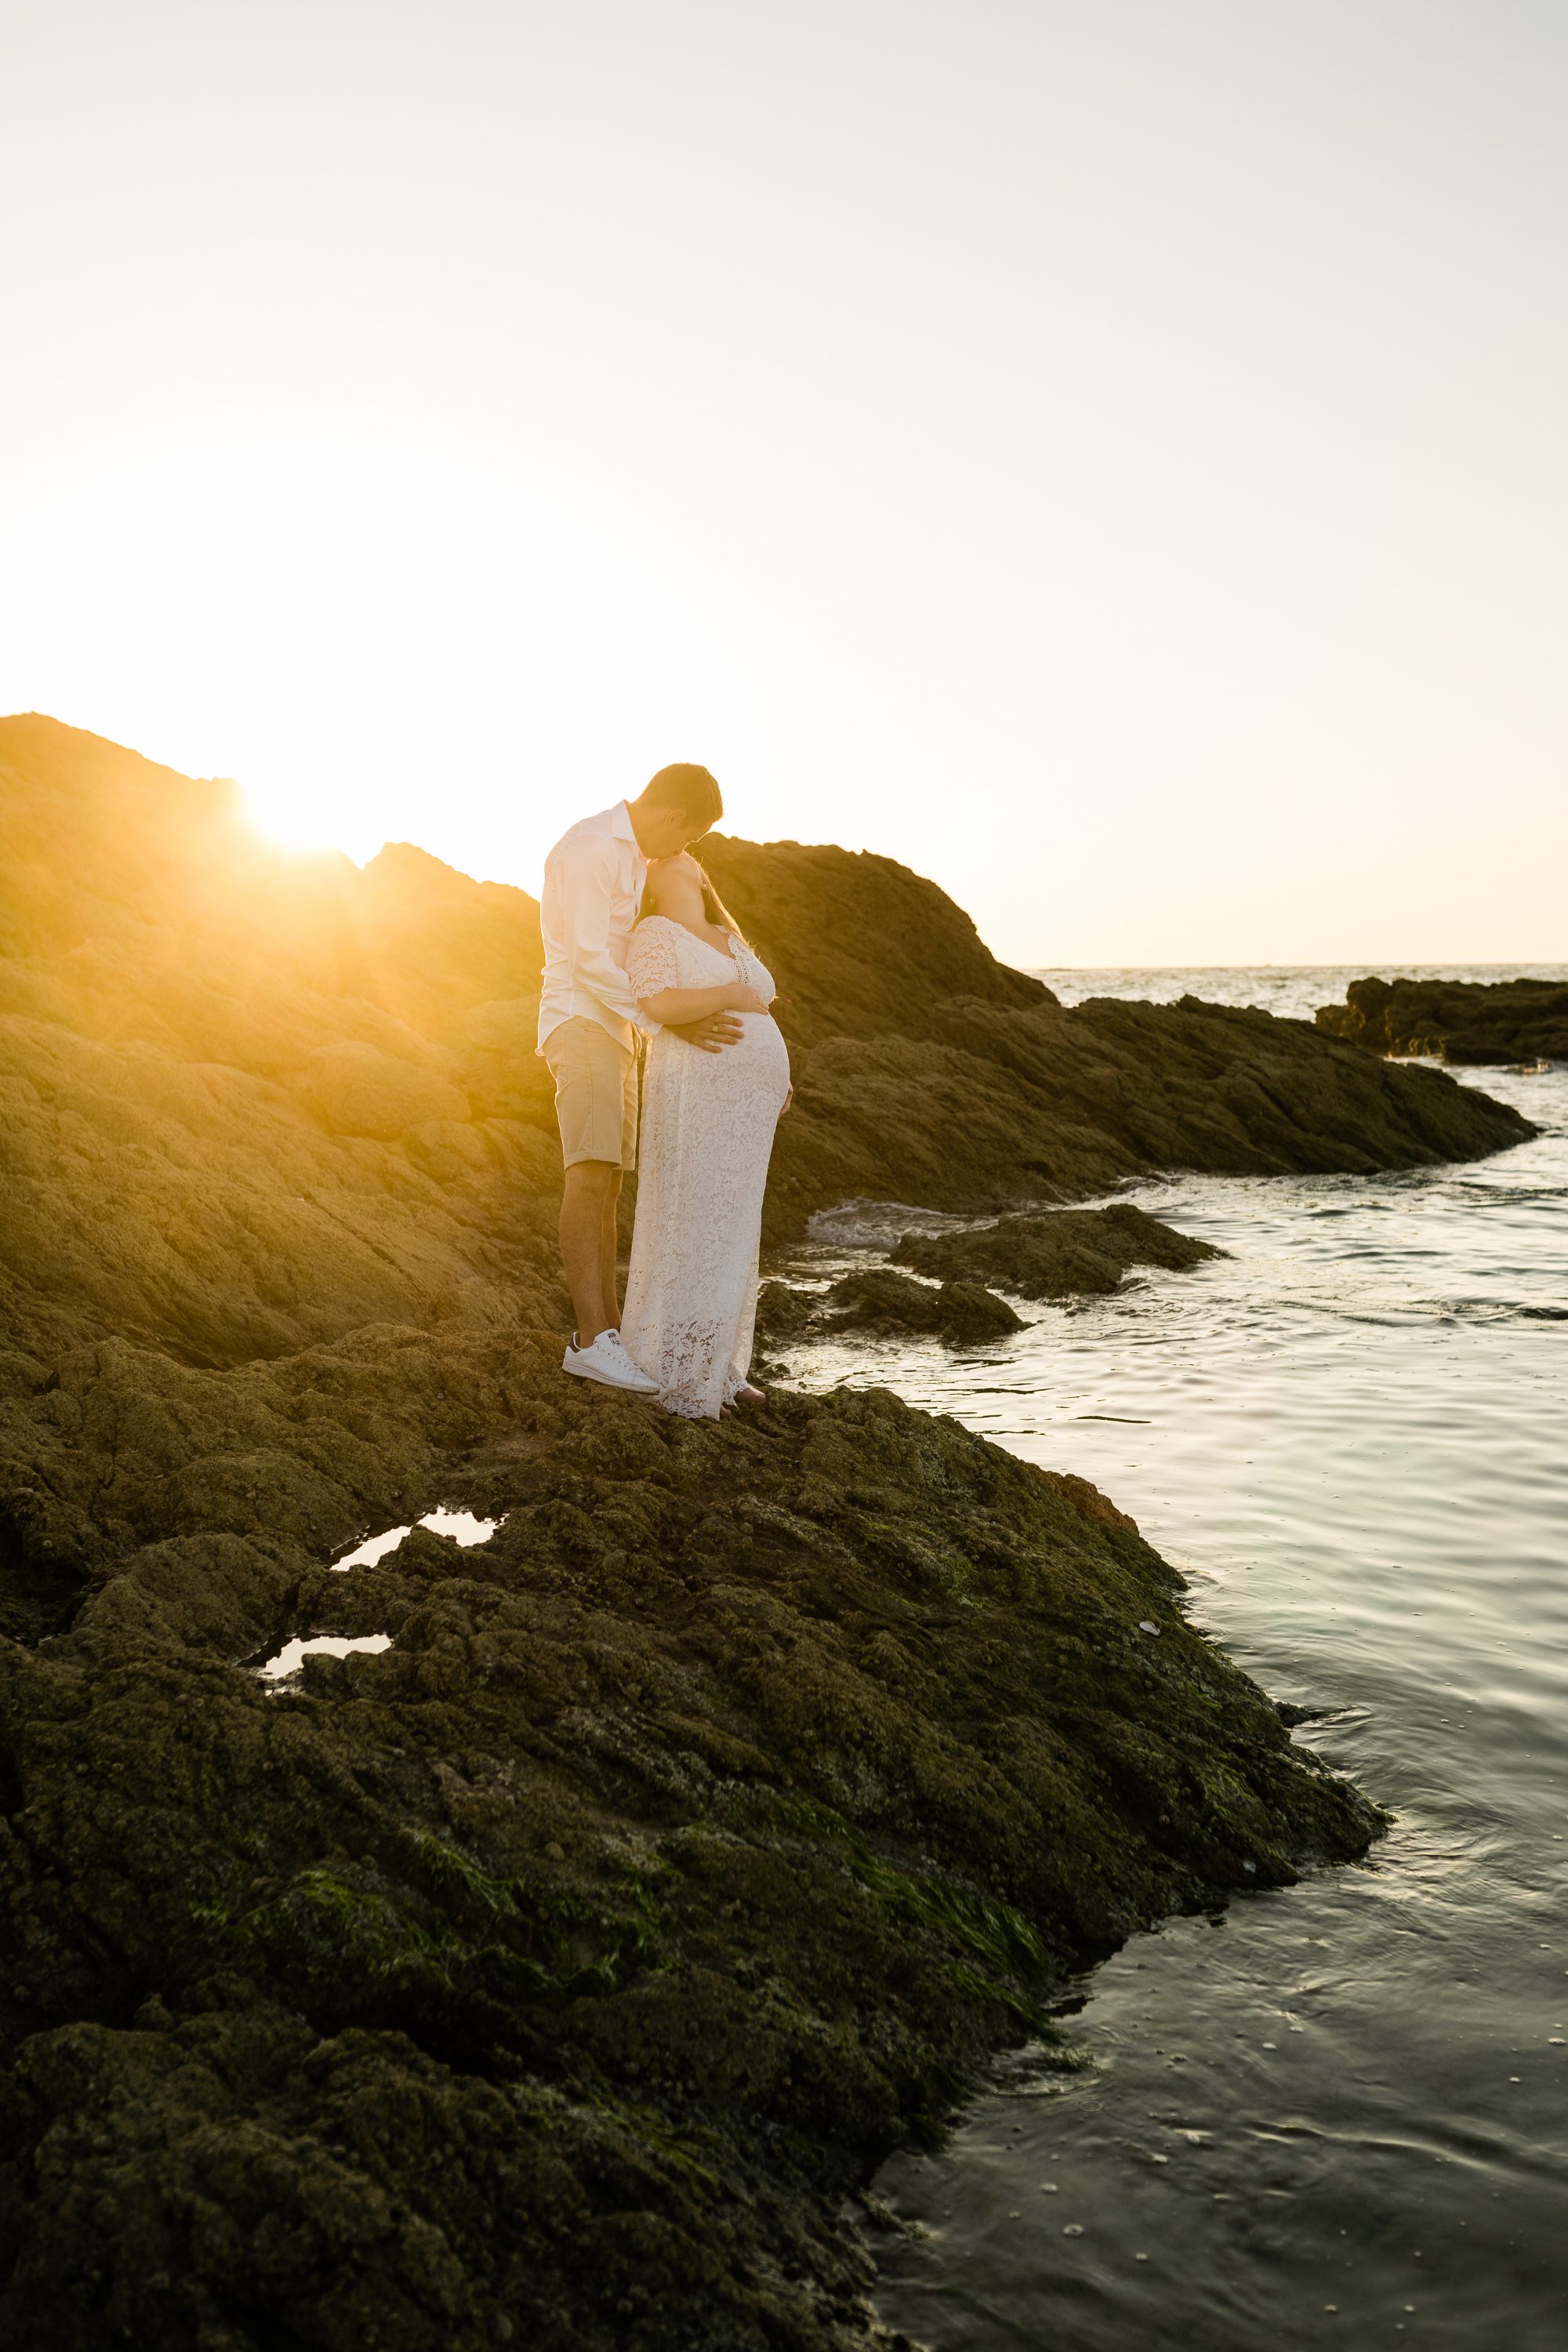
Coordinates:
708 1122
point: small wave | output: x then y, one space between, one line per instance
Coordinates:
878 1225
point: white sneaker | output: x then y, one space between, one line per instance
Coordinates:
607 1361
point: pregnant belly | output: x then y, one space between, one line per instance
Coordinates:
761 1056
756 1065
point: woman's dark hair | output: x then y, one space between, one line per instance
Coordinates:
691 790
715 909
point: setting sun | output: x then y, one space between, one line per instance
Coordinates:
936 431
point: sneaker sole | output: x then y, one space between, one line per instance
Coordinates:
625 1388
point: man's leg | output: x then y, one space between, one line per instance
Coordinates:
587 1214
596 1106
631 1083
611 1251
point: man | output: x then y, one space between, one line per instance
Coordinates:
588 1025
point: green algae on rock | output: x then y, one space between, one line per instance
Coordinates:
688 1846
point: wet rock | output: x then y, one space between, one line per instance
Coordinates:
1001 1105
785 1313
880 1301
692 1838
1057 1252
1473 1022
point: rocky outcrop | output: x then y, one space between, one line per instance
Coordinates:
548 1974
786 1313
254 1101
1057 1253
1053 1254
960 1313
883 1304
927 1073
1473 1022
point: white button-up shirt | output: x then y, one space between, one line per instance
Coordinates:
594 880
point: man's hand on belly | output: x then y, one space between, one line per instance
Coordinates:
713 1033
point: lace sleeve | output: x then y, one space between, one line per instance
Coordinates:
653 959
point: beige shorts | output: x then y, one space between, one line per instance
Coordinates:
595 1093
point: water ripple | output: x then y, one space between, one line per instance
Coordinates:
1350 1434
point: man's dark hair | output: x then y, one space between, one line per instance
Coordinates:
691 790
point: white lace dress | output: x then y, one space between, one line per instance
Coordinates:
708 1123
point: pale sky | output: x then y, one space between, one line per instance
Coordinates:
1108 453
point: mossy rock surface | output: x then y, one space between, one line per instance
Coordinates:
564 1962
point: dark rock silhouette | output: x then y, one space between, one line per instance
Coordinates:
549 1975
1473 1022
878 1301
1055 1253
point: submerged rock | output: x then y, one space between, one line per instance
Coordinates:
785 1313
880 1301
1059 1252
1473 1022
1050 1254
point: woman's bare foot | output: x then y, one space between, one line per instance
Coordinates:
747 1394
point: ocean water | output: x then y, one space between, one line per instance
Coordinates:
1292 990
1338 2114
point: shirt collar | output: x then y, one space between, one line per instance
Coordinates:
621 825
